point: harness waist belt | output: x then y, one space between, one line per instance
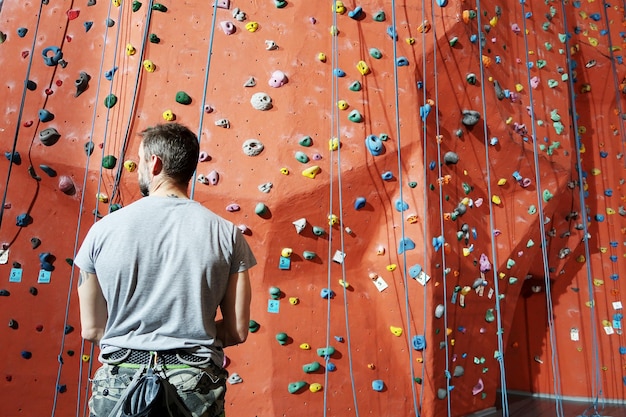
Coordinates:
146 357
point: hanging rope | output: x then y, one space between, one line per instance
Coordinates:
504 399
401 213
596 383
204 91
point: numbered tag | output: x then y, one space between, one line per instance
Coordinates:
422 278
44 277
339 257
573 334
380 284
284 263
273 306
16 275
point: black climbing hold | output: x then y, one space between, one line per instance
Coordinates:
23 220
470 117
70 353
45 261
81 83
16 264
33 291
68 329
35 242
62 388
45 115
31 85
159 7
154 38
13 324
49 136
26 354
69 261
4 293
88 25
14 157
21 32
49 171
451 158
89 146
110 22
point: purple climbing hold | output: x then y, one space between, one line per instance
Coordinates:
485 265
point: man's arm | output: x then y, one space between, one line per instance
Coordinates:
93 307
235 307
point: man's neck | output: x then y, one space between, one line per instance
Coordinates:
166 189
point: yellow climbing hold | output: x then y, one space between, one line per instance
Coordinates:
342 104
286 252
333 144
609 210
397 331
130 165
598 282
466 252
333 219
509 120
589 303
603 249
294 300
305 346
315 387
130 49
496 200
391 267
103 198
117 3
410 41
502 181
252 26
606 323
343 283
519 87
334 31
581 259
149 65
311 172
493 21
339 7
284 171
168 115
86 358
452 342
595 171
363 68
321 57
593 41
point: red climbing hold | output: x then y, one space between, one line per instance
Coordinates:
68 38
25 54
28 123
59 83
48 91
72 14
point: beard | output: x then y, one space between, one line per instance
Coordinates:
144 186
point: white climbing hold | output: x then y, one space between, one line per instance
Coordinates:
300 224
261 101
252 147
234 378
265 187
222 123
270 45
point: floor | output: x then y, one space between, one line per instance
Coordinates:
528 406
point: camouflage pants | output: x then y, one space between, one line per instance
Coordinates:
202 390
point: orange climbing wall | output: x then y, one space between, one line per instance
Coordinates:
525 50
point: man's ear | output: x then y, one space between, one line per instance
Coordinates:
156 165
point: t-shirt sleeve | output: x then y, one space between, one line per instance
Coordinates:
84 257
243 258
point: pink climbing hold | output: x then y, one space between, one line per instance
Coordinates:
485 265
228 27
72 14
278 79
515 28
525 182
213 177
534 82
479 387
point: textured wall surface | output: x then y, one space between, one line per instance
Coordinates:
483 147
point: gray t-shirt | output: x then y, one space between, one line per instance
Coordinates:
163 264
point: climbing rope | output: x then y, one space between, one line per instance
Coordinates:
133 108
401 212
492 228
596 383
542 221
205 91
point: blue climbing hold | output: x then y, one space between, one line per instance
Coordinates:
374 145
378 385
608 192
88 26
359 203
26 354
401 205
442 3
604 154
387 175
45 116
356 14
595 17
438 242
391 31
415 271
599 217
473 38
331 367
49 171
21 32
622 350
424 111
432 165
327 293
402 61
110 73
14 157
338 72
614 277
23 220
405 245
339 339
419 342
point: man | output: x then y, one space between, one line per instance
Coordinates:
152 277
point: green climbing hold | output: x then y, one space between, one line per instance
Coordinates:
282 338
306 141
159 7
413 184
432 187
384 137
510 263
541 63
547 195
454 41
309 255
553 83
548 46
472 14
563 37
3 37
418 380
183 98
110 101
530 243
301 157
558 128
154 38
564 77
471 78
311 367
355 86
275 293
355 116
253 327
296 386
318 231
327 351
512 280
109 162
466 188
375 53
545 26
532 209
489 316
260 209
136 5
379 16
554 115
280 3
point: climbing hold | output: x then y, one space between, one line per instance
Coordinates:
183 98
110 101
375 53
342 104
470 117
396 331
327 293
234 378
309 255
300 225
282 338
378 385
355 86
81 83
451 158
374 145
355 116
311 367
130 49
278 79
275 293
136 5
252 147
363 68
149 65
379 16
253 326
547 195
261 209
489 315
154 38
338 72
326 352
109 162
357 13
405 245
286 252
478 388
318 231
49 136
391 31
239 15
280 4
21 32
315 387
168 115
159 7
311 172
306 141
439 310
45 116
294 301
261 101
26 354
252 26
359 203
270 45
66 185
295 386
55 58
419 342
